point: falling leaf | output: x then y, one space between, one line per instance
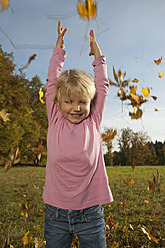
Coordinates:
136 115
133 163
109 135
155 184
87 10
149 235
25 239
161 74
4 115
135 80
146 91
41 93
158 61
129 180
29 61
4 4
156 109
134 98
154 97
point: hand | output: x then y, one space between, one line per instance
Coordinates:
95 50
61 33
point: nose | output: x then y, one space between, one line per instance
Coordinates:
76 107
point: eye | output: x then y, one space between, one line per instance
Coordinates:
67 101
83 102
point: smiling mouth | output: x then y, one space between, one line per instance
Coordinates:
76 115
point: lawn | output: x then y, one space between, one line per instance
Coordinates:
135 218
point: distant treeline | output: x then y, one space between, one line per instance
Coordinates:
135 147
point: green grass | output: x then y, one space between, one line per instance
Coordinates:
133 207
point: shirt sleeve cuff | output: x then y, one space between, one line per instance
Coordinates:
100 60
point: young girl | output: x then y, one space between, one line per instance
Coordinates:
76 181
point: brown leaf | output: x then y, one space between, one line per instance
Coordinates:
137 114
133 163
154 97
158 61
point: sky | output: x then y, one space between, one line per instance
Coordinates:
130 33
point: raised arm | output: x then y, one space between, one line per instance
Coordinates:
55 68
101 77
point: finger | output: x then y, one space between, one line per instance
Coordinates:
59 27
92 34
64 31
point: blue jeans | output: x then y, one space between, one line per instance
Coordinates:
88 224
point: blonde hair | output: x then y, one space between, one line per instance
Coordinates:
71 81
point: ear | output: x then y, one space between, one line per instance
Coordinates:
57 103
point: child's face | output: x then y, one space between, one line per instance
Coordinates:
74 108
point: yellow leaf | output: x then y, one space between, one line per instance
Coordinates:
147 201
125 229
149 235
25 239
4 4
129 180
146 92
161 74
41 93
156 109
88 9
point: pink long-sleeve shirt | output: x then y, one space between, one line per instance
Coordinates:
76 177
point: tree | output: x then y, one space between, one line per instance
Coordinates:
133 145
124 142
26 125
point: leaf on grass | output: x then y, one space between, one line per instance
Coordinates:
125 229
41 93
129 180
149 235
147 201
146 91
87 10
40 147
161 74
125 203
25 239
4 115
158 61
